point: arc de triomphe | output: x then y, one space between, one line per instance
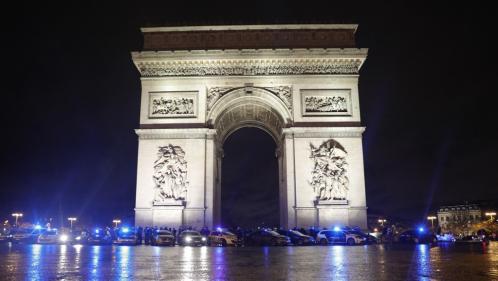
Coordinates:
299 83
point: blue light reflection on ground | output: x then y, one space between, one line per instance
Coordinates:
34 270
124 265
384 262
219 264
423 261
95 259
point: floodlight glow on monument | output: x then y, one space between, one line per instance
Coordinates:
324 171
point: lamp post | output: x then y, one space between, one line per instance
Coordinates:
490 214
116 221
382 221
17 215
71 220
432 218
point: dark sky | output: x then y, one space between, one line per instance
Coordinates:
70 100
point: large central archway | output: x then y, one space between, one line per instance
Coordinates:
249 182
303 94
248 107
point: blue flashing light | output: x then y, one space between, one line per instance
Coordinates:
125 229
336 228
97 231
218 229
421 229
38 226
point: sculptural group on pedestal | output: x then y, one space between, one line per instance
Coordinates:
170 174
329 175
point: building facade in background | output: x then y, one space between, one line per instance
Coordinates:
458 214
298 83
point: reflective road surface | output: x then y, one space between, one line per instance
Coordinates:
373 262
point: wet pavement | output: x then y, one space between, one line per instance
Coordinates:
372 262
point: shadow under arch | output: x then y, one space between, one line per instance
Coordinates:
249 183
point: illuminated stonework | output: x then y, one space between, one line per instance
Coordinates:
170 175
306 99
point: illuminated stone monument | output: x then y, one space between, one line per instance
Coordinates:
299 83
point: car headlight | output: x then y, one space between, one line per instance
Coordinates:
203 238
188 239
63 238
78 238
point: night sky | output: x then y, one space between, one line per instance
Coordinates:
70 102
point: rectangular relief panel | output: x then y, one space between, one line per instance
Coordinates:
326 102
173 104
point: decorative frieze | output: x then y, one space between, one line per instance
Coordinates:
246 67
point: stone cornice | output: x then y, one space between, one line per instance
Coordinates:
200 133
249 62
249 36
249 27
323 132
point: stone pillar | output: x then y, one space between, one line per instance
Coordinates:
211 177
217 190
196 148
289 181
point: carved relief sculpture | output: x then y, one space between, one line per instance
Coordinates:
284 93
170 175
214 94
248 67
172 104
326 102
329 175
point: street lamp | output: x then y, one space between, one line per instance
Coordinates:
382 221
432 218
490 214
116 221
71 220
17 215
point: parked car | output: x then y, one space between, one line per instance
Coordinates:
162 237
337 236
265 237
98 236
191 238
369 239
51 236
417 236
445 237
4 237
24 235
469 239
126 236
297 238
223 238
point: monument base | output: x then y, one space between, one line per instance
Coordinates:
160 216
